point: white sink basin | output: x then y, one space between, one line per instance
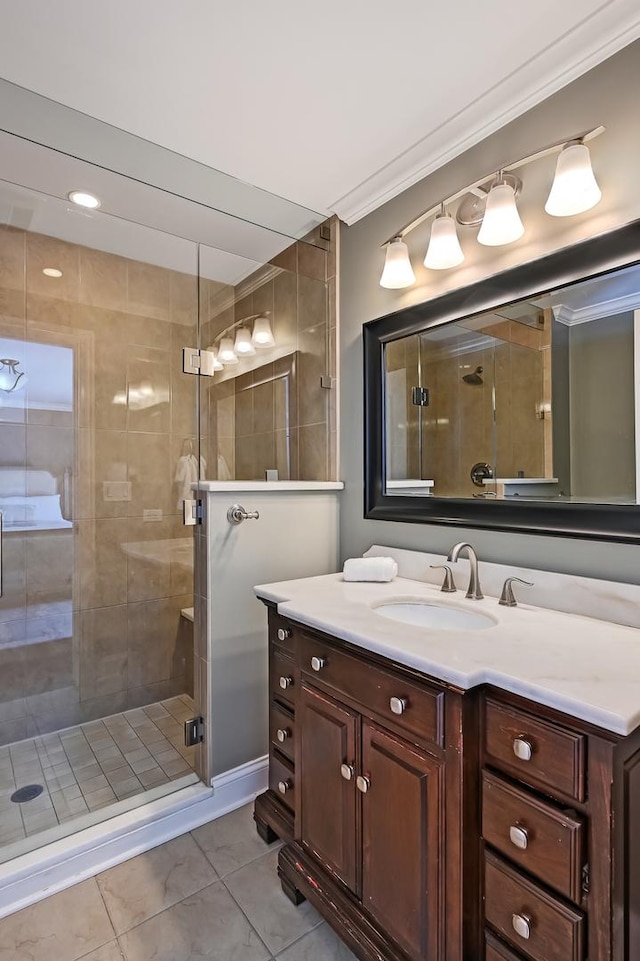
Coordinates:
441 618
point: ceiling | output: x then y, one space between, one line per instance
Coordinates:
335 106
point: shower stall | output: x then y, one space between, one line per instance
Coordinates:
103 433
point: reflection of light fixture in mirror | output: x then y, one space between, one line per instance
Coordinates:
501 223
444 249
84 199
243 346
398 271
262 334
574 187
52 272
215 363
10 378
226 353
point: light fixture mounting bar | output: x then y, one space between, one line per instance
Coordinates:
477 186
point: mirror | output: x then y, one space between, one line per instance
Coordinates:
513 403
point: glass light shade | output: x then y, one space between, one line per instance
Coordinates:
226 353
574 187
11 379
262 334
398 271
444 247
243 345
216 364
501 223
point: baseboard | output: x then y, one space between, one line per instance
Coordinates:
59 865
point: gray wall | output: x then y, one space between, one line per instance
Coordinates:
606 95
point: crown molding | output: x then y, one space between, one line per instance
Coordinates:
607 31
605 308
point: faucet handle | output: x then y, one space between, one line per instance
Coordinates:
448 585
507 598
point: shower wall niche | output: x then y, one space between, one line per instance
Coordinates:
98 565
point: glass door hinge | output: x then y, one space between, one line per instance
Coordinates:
192 511
193 731
196 361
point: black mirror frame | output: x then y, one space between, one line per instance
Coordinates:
610 251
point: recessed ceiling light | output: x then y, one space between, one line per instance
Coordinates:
52 272
83 199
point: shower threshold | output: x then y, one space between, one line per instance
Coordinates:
92 772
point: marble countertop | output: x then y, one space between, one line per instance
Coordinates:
583 666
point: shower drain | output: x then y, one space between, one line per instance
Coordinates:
27 793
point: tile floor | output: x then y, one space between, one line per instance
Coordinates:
212 894
91 766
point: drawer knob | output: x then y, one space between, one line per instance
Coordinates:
363 783
519 837
521 925
282 734
398 705
285 682
522 748
347 771
317 663
283 633
284 786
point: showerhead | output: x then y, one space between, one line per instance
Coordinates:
474 378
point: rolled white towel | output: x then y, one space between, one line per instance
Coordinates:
370 569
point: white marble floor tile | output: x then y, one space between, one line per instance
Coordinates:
151 882
257 890
207 925
321 944
232 841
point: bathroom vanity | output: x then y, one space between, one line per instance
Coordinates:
430 810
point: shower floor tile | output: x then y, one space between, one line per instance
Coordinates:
90 766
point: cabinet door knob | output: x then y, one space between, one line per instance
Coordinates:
521 925
347 771
286 682
282 734
398 705
363 783
283 633
519 837
522 748
284 786
317 663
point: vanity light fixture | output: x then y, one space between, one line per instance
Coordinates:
444 249
491 202
215 363
398 272
501 223
51 272
243 346
84 199
575 188
226 352
262 334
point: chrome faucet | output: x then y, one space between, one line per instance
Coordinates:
474 591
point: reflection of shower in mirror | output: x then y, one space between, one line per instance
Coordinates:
474 378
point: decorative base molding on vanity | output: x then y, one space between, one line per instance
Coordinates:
59 865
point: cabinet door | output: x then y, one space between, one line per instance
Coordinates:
402 840
328 799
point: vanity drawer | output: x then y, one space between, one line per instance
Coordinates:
496 951
281 632
535 751
282 780
539 925
537 836
282 729
418 710
282 677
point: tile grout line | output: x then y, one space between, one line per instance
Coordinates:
246 916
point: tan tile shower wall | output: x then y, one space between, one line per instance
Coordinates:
90 621
273 413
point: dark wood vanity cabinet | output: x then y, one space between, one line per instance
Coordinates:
430 824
